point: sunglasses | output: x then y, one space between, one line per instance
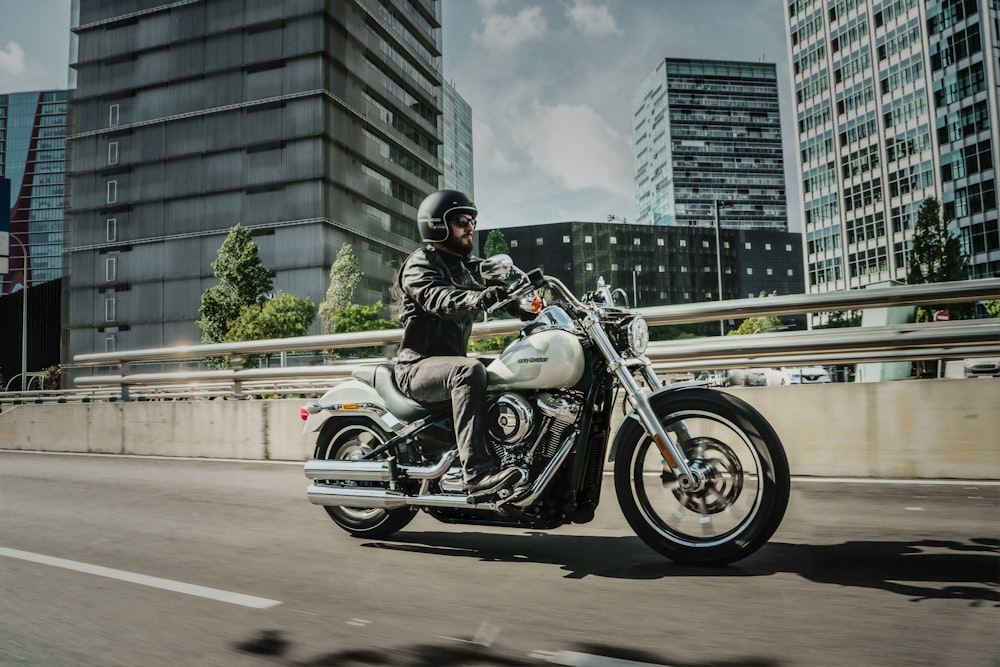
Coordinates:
464 221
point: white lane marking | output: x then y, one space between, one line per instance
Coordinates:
144 580
574 659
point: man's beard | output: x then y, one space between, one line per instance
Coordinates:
458 245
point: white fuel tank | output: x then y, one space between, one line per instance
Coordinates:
548 359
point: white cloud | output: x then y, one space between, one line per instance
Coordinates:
505 33
581 150
12 59
592 19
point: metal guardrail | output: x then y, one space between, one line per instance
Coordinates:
827 346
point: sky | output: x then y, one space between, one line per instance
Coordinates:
550 83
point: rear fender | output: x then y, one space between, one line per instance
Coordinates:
364 401
653 397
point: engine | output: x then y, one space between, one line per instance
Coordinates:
523 430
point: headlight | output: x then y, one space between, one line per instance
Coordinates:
637 332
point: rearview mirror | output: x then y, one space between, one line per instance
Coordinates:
496 267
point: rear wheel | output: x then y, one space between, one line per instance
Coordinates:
746 479
349 440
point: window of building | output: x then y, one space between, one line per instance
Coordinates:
748 245
566 238
749 271
539 241
704 244
113 115
613 240
112 192
110 343
109 309
767 246
659 242
614 267
707 269
770 272
636 241
112 229
590 266
113 152
788 247
661 268
682 243
684 269
791 272
111 269
588 239
513 243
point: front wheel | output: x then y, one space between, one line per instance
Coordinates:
351 440
741 459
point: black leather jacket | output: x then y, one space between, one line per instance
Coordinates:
440 298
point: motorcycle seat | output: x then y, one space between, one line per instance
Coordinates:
402 406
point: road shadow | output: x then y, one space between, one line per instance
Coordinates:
271 644
919 569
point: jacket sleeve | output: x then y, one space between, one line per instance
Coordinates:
431 287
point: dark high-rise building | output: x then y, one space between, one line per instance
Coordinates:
707 131
33 159
313 123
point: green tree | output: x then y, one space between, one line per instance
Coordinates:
936 257
345 276
243 281
353 318
284 316
761 324
838 319
495 244
993 307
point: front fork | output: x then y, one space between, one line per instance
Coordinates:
689 480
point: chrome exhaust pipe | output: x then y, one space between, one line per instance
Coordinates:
372 498
374 471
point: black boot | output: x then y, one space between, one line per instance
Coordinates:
491 482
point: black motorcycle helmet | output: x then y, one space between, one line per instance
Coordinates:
434 211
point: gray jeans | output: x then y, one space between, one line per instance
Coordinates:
462 381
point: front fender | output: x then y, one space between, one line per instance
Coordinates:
352 392
652 397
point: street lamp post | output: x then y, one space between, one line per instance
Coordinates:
24 311
716 205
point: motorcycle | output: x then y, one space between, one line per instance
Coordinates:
700 475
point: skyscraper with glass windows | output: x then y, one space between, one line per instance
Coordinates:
457 147
33 159
896 101
707 131
313 123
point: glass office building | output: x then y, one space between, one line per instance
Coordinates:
707 131
33 159
457 147
896 101
313 123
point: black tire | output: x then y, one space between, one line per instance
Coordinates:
747 479
344 439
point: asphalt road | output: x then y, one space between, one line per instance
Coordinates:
110 561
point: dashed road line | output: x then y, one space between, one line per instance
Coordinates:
144 580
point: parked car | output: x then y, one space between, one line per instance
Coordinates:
755 377
982 367
805 375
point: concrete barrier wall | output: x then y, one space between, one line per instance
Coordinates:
904 429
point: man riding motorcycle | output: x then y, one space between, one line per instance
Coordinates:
440 290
